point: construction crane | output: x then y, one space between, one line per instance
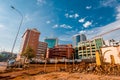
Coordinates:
106 33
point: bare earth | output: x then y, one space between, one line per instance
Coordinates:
67 76
36 72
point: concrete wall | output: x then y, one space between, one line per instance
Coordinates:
108 51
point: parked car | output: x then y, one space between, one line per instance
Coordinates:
11 63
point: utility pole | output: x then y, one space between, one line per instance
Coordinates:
18 28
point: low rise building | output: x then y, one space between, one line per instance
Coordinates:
87 49
61 51
111 53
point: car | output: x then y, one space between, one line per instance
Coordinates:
11 63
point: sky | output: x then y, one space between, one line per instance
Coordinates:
58 18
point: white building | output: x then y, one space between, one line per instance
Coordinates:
114 51
111 42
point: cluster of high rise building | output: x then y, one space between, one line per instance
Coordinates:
47 49
50 48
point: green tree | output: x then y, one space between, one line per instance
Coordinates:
1 56
28 53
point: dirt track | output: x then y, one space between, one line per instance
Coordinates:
32 70
67 76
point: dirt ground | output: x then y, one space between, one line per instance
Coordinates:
67 76
52 72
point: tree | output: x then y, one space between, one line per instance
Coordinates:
28 53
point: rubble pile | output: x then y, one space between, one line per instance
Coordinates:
104 69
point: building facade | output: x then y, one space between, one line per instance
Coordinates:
87 49
61 51
111 54
42 50
111 42
51 42
78 38
30 38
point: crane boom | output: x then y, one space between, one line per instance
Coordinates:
106 33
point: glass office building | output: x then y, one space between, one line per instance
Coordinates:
78 38
51 42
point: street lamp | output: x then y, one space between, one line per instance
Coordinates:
18 27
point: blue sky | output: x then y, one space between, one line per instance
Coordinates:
58 18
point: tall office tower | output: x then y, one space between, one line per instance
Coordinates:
30 38
51 42
42 50
78 38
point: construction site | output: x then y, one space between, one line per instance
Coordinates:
98 70
68 71
97 62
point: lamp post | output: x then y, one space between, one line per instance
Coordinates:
18 27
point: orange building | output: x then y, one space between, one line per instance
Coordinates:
30 38
61 51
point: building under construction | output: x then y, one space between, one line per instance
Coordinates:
87 49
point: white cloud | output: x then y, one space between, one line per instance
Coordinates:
108 3
48 22
82 32
87 24
55 26
62 26
65 26
118 12
98 31
76 15
81 20
88 7
112 3
71 16
105 31
41 2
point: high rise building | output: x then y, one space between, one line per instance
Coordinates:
78 38
42 50
30 38
51 42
